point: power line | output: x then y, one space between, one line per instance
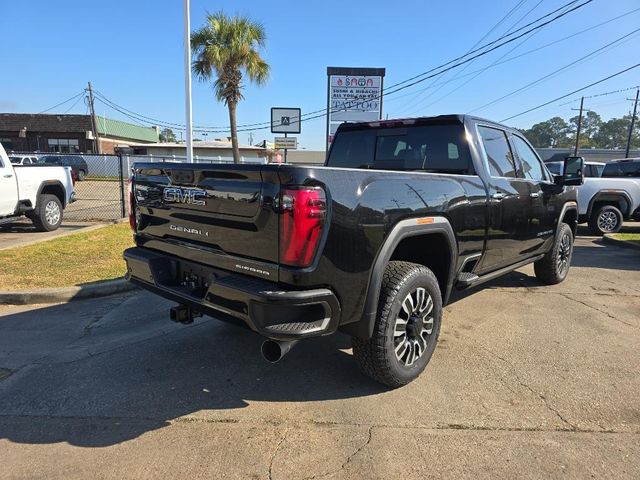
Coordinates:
601 94
491 30
459 74
400 85
571 93
555 72
394 88
74 104
62 103
131 117
462 62
498 39
495 62
416 79
510 59
121 109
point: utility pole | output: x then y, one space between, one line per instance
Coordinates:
575 150
633 121
187 79
94 125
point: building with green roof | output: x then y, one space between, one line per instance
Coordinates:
69 133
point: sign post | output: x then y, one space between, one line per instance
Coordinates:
353 95
285 120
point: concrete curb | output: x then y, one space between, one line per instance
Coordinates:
66 294
619 243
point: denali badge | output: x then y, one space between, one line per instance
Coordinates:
192 196
193 231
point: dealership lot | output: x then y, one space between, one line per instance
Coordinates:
97 200
527 381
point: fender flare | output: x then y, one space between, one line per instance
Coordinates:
403 229
621 194
55 183
570 205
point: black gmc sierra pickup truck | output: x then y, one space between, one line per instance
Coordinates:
370 244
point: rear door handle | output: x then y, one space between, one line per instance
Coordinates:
534 194
8 175
499 196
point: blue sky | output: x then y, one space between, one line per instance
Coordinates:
132 52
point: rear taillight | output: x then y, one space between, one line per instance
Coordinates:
303 211
132 213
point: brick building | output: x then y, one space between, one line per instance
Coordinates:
68 133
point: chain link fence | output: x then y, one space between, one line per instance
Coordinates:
131 159
102 194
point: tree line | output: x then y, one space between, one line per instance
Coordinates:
594 132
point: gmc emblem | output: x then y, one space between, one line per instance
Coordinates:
191 196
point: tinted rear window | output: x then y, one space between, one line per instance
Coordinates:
622 169
611 170
430 148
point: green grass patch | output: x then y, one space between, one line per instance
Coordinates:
629 237
67 261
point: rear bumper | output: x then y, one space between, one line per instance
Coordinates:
263 306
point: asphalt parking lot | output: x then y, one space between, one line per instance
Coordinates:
527 382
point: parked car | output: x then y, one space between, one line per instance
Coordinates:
625 167
591 169
370 244
23 159
40 193
606 201
76 162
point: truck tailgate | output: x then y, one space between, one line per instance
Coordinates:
210 213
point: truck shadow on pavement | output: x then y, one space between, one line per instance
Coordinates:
100 372
588 253
105 379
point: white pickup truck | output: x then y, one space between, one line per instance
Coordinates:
604 202
40 193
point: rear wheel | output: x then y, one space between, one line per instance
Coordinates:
81 175
47 215
406 328
606 219
554 266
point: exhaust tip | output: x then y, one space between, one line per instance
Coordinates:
271 351
274 350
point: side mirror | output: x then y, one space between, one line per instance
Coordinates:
573 172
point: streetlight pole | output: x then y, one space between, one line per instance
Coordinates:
187 79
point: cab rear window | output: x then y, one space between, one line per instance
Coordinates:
429 148
630 168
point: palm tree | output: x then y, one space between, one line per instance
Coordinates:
228 47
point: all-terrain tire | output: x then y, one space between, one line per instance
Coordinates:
382 357
47 216
554 266
606 219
